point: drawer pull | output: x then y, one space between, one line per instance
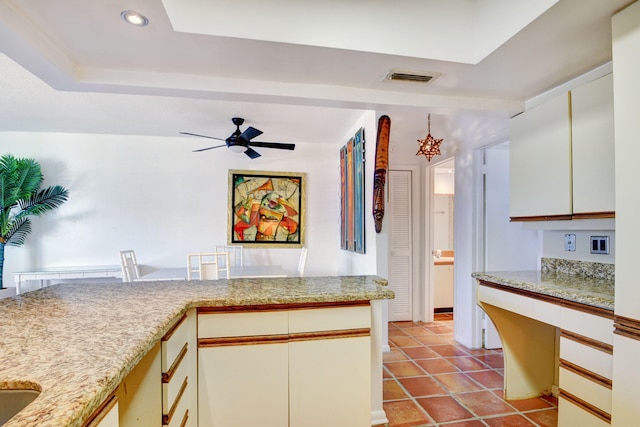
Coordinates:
604 416
591 376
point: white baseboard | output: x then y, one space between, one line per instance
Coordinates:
386 348
378 417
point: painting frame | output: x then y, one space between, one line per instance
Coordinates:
266 208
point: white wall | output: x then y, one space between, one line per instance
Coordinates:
351 263
155 196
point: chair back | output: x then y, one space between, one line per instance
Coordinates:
207 265
235 254
129 264
302 262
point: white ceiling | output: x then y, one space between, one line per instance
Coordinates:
75 66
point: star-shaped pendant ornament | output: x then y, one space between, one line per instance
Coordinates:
429 147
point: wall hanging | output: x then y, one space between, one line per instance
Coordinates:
352 235
266 208
380 173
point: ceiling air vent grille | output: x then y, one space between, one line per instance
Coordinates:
411 76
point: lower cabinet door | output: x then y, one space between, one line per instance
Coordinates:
243 385
330 382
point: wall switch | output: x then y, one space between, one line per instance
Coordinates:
569 242
600 245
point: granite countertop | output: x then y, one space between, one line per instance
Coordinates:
591 291
77 342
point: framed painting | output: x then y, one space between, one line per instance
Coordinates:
352 235
266 208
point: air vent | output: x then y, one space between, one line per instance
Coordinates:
411 76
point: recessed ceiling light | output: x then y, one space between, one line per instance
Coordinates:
134 18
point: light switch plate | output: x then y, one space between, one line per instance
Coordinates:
569 242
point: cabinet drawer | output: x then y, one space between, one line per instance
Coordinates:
173 342
330 319
242 324
592 359
179 414
541 311
572 414
589 325
171 385
585 389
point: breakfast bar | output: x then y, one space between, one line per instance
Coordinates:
76 344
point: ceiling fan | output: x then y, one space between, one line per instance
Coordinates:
241 142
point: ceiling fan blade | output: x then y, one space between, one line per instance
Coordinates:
250 133
279 145
253 154
210 148
202 136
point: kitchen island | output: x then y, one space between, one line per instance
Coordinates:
557 336
76 343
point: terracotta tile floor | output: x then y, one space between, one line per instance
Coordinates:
430 380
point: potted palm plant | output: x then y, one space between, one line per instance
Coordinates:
20 198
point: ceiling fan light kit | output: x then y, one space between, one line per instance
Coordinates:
241 142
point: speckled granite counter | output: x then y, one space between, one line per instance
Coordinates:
592 291
76 342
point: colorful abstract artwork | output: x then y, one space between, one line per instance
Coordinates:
352 235
266 208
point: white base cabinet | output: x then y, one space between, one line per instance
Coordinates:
179 352
299 367
140 393
106 415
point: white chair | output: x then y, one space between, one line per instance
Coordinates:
207 265
129 263
302 262
235 254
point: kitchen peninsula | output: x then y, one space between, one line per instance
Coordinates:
556 327
77 343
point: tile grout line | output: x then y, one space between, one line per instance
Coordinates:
458 370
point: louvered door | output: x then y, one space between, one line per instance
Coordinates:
400 238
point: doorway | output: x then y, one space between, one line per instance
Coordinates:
443 255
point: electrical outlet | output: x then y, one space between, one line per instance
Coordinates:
569 242
600 245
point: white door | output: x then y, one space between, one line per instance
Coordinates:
400 241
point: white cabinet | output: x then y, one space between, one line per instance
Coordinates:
443 280
140 393
593 147
562 156
180 373
330 367
243 368
106 415
586 368
299 367
540 161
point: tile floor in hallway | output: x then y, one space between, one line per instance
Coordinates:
430 380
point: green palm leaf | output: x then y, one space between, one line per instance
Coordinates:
19 231
44 201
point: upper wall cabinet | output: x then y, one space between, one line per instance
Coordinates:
540 162
561 156
593 148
